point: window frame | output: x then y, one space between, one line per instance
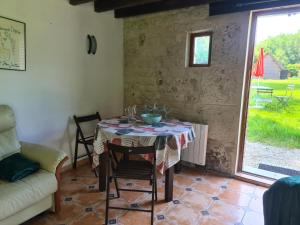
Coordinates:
193 36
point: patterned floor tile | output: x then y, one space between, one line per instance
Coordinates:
226 212
241 186
256 204
196 200
235 198
183 180
252 218
138 218
88 219
187 214
209 220
207 188
200 198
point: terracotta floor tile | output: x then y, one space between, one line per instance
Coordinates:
209 220
193 201
87 199
226 212
183 215
180 180
215 180
165 222
196 200
131 196
256 205
253 218
137 217
159 207
90 219
84 171
67 214
177 192
235 198
161 190
236 185
73 188
99 209
88 181
259 191
213 190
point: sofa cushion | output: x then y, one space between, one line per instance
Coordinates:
21 194
9 144
7 118
16 167
8 136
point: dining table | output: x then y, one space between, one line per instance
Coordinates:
169 138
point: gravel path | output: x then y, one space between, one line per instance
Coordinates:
256 153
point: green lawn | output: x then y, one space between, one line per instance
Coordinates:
275 124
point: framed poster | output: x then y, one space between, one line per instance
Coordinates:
12 44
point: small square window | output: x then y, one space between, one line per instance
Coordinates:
200 49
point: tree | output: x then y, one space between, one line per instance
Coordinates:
293 69
285 48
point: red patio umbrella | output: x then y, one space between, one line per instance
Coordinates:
258 70
258 67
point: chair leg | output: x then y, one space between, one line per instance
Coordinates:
152 202
155 190
88 153
90 157
107 195
117 187
75 155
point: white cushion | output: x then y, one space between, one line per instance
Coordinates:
9 144
21 194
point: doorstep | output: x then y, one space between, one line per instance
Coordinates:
254 179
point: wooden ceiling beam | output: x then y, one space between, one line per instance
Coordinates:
159 6
232 6
78 2
106 5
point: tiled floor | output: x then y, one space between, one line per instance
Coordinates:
199 199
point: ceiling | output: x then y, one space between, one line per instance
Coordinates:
127 8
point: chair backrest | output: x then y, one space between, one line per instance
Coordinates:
290 89
84 119
9 143
113 149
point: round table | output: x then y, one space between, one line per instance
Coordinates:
169 138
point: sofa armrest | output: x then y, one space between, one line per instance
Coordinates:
48 158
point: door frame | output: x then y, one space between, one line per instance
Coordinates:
247 82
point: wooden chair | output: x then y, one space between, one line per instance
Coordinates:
127 168
86 141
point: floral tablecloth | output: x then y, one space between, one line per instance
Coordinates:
169 139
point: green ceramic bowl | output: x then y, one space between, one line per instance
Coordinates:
150 118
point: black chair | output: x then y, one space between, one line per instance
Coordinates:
127 168
86 141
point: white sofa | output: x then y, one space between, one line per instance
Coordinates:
26 198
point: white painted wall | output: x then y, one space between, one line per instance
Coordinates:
61 78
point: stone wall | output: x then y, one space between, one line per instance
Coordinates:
155 71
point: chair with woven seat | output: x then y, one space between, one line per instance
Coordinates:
127 168
83 139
